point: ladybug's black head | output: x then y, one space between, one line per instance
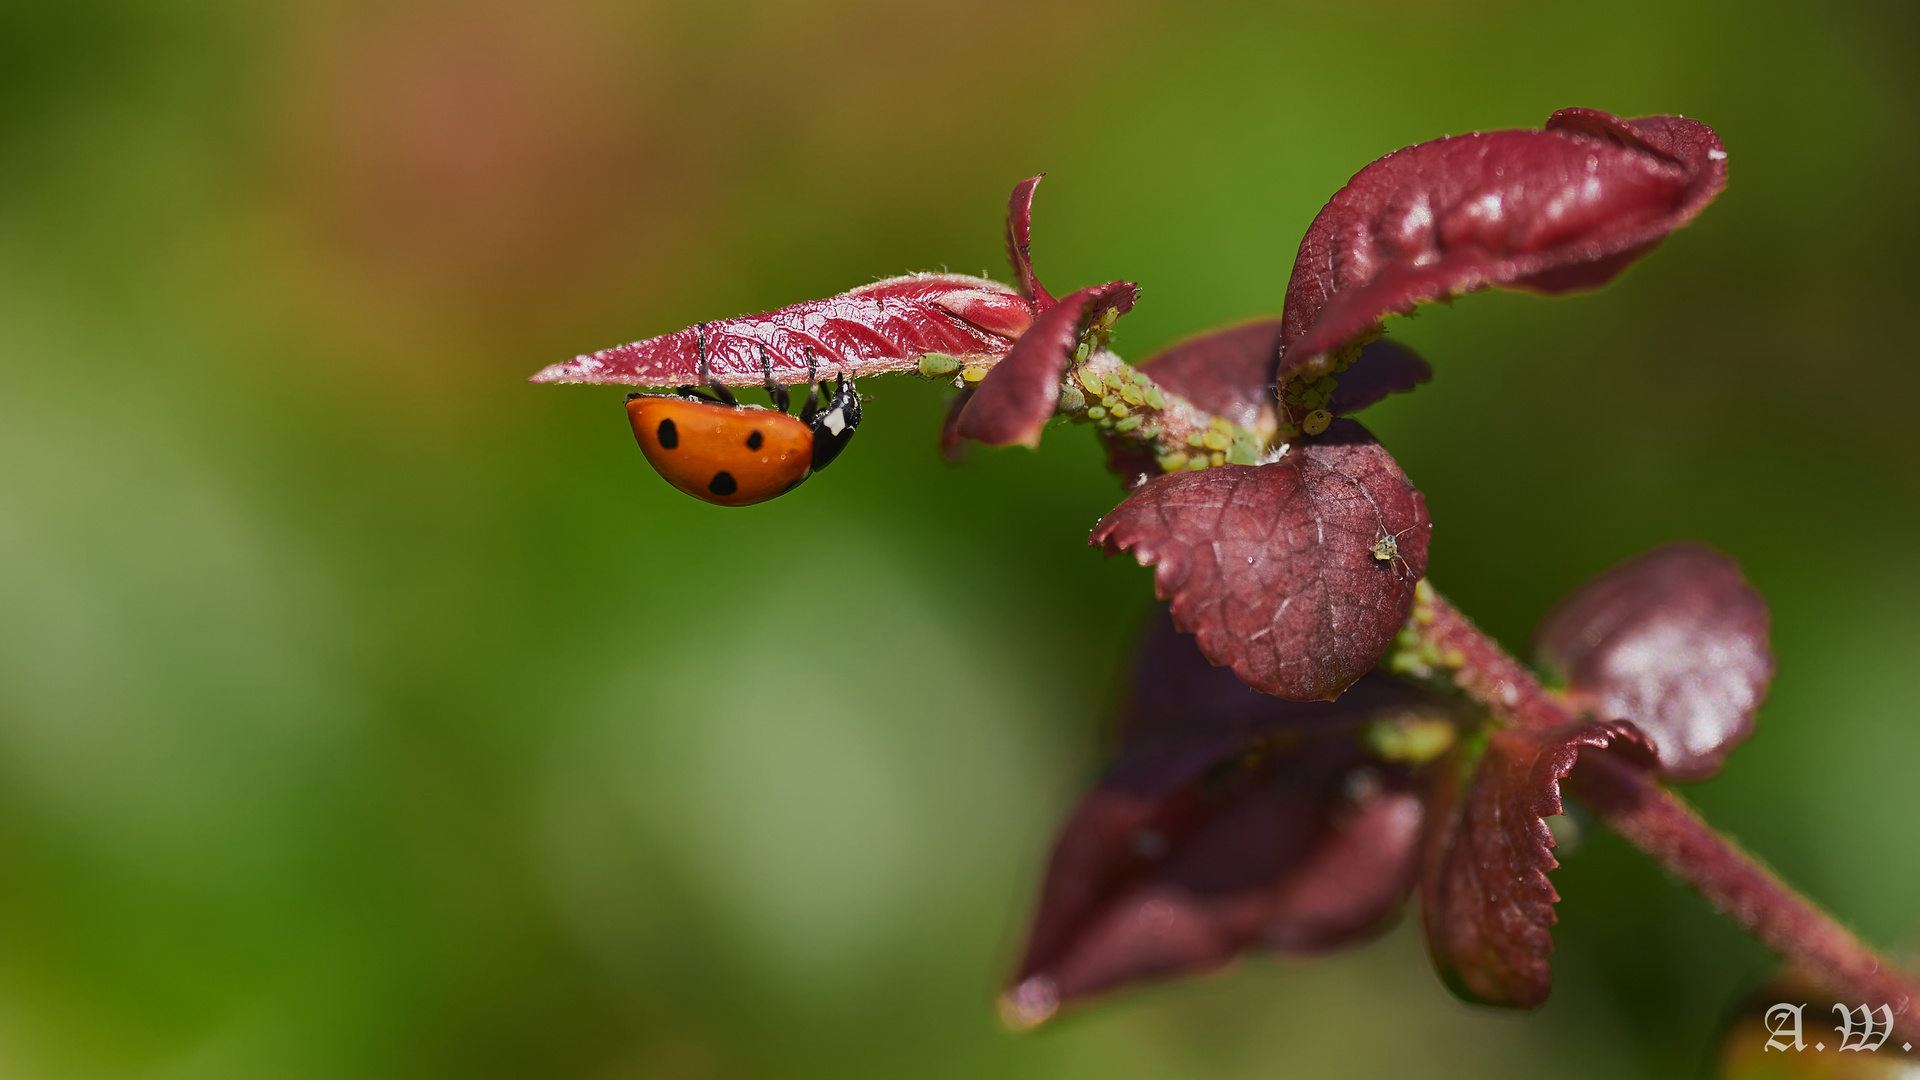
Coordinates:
833 425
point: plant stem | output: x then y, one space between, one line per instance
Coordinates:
1660 823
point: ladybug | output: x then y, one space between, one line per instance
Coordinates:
715 448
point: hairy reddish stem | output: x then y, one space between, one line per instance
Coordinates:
1483 669
1660 823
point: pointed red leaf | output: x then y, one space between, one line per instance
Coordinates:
952 447
1020 243
1017 398
1383 367
1567 207
1675 641
1273 567
1230 373
1484 895
883 327
1227 372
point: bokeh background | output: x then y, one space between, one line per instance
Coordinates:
365 711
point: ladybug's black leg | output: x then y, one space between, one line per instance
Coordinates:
776 393
812 407
724 395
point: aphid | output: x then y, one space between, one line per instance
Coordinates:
1316 421
1387 548
715 448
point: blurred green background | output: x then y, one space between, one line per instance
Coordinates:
365 711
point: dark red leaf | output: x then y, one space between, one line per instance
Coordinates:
1020 243
1191 849
1563 208
1017 398
1273 567
1383 367
1675 641
1229 372
1183 713
883 327
1484 894
1271 854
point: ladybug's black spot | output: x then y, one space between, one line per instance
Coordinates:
669 435
754 440
722 484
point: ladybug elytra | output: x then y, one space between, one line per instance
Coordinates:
715 448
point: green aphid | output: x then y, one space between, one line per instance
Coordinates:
1173 462
1197 440
1127 424
935 364
1141 379
1096 413
1091 382
1132 396
1155 398
1197 463
1415 740
1119 410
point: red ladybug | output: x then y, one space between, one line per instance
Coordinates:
713 447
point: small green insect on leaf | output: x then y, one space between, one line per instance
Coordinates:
1415 740
934 364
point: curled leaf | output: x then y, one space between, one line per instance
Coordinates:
1020 243
1017 398
1484 894
952 447
1192 849
1284 571
1383 367
1227 372
1567 207
1675 641
883 327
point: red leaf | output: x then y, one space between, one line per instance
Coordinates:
1273 567
1564 208
1190 850
952 447
1383 367
1017 398
1675 641
883 327
1228 372
1484 893
1020 243
1184 713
